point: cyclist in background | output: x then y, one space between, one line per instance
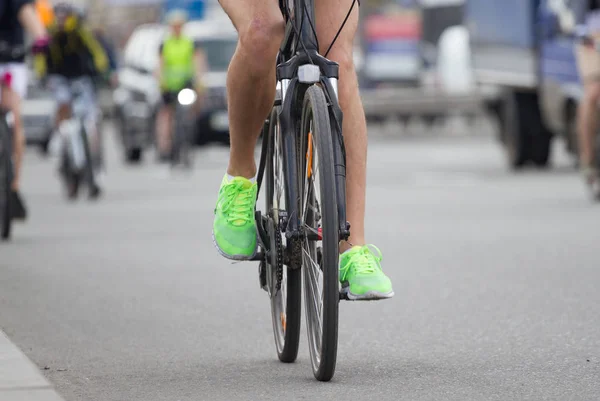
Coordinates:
587 22
74 55
45 11
181 64
17 16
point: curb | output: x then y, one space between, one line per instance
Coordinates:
20 379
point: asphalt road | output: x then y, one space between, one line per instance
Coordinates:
496 278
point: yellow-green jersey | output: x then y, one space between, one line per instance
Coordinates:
73 54
177 63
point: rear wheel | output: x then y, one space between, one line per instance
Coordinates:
285 300
319 220
5 179
516 138
90 176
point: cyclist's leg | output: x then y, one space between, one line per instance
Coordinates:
92 121
360 268
330 14
251 77
59 86
251 92
164 122
11 100
18 91
61 92
588 61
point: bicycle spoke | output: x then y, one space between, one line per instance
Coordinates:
315 281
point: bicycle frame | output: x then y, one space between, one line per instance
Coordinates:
299 66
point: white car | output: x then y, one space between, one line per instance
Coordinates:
137 96
38 113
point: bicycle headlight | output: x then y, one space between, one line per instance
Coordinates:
187 97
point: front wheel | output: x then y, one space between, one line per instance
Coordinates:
319 221
181 147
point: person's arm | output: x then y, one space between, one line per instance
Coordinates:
96 50
30 20
571 14
200 62
112 57
159 66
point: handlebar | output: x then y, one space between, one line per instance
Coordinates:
12 51
582 36
38 46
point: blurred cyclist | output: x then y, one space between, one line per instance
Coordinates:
14 16
45 11
74 55
584 18
109 49
181 65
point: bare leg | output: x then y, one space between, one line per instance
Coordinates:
330 15
18 148
12 102
251 77
163 125
588 122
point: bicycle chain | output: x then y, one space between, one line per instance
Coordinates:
279 256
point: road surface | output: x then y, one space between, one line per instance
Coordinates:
496 279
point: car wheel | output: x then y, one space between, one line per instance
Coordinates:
225 139
542 148
133 155
516 136
45 147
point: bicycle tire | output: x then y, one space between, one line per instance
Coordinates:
186 145
176 139
88 168
286 304
5 178
322 323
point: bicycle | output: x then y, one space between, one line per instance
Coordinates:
76 163
303 221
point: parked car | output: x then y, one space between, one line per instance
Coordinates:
218 40
38 115
137 96
505 44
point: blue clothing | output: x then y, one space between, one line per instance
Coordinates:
109 50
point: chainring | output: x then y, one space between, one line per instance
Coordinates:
275 259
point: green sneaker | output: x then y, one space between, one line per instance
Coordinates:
234 227
361 275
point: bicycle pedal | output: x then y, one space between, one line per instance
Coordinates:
344 296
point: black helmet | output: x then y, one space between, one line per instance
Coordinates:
63 9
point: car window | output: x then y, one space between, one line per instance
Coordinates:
218 52
133 47
150 55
